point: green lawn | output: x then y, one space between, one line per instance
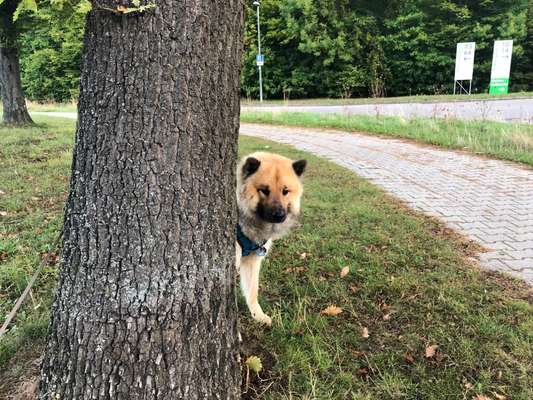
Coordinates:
411 285
389 100
496 139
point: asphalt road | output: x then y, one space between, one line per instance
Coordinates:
517 110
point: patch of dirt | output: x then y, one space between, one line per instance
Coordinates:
253 386
20 378
513 287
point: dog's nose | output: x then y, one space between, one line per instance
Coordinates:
279 214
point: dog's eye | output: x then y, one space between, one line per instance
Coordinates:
264 191
285 192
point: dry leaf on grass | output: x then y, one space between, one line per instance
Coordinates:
430 351
345 271
481 397
365 333
296 270
409 357
500 396
303 255
331 310
386 317
3 213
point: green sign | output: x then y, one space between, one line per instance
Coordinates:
499 86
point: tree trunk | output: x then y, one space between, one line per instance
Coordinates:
14 104
145 307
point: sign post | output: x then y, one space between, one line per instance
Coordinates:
501 67
464 66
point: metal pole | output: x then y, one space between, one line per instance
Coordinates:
259 51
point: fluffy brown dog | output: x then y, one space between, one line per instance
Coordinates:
268 196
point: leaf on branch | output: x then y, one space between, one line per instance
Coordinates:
25 5
128 10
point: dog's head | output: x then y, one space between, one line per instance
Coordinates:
269 187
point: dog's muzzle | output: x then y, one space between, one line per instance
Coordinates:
275 214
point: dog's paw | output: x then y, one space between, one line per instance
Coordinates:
263 319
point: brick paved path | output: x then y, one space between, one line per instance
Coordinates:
488 200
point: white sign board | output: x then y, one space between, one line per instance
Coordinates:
501 59
464 61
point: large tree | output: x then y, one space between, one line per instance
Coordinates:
145 305
13 102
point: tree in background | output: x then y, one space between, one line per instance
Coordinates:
318 48
13 102
50 52
528 47
145 306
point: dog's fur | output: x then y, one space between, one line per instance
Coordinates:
268 197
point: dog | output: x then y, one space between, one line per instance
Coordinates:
269 190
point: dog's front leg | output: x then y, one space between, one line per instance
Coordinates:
249 271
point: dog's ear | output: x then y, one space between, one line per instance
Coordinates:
299 167
250 166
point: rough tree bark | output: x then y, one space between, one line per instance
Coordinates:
13 102
145 307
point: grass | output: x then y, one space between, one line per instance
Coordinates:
410 284
388 100
501 140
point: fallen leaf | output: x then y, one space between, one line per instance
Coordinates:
481 397
365 333
500 397
430 350
386 317
2 192
3 213
362 371
331 310
303 255
34 198
254 363
409 357
345 271
357 353
295 270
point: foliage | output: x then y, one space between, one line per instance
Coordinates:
393 47
51 54
321 48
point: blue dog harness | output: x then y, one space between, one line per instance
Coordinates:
249 246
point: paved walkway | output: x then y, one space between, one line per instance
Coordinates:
489 201
511 110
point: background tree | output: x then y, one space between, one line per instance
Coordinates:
145 306
50 51
318 48
13 102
